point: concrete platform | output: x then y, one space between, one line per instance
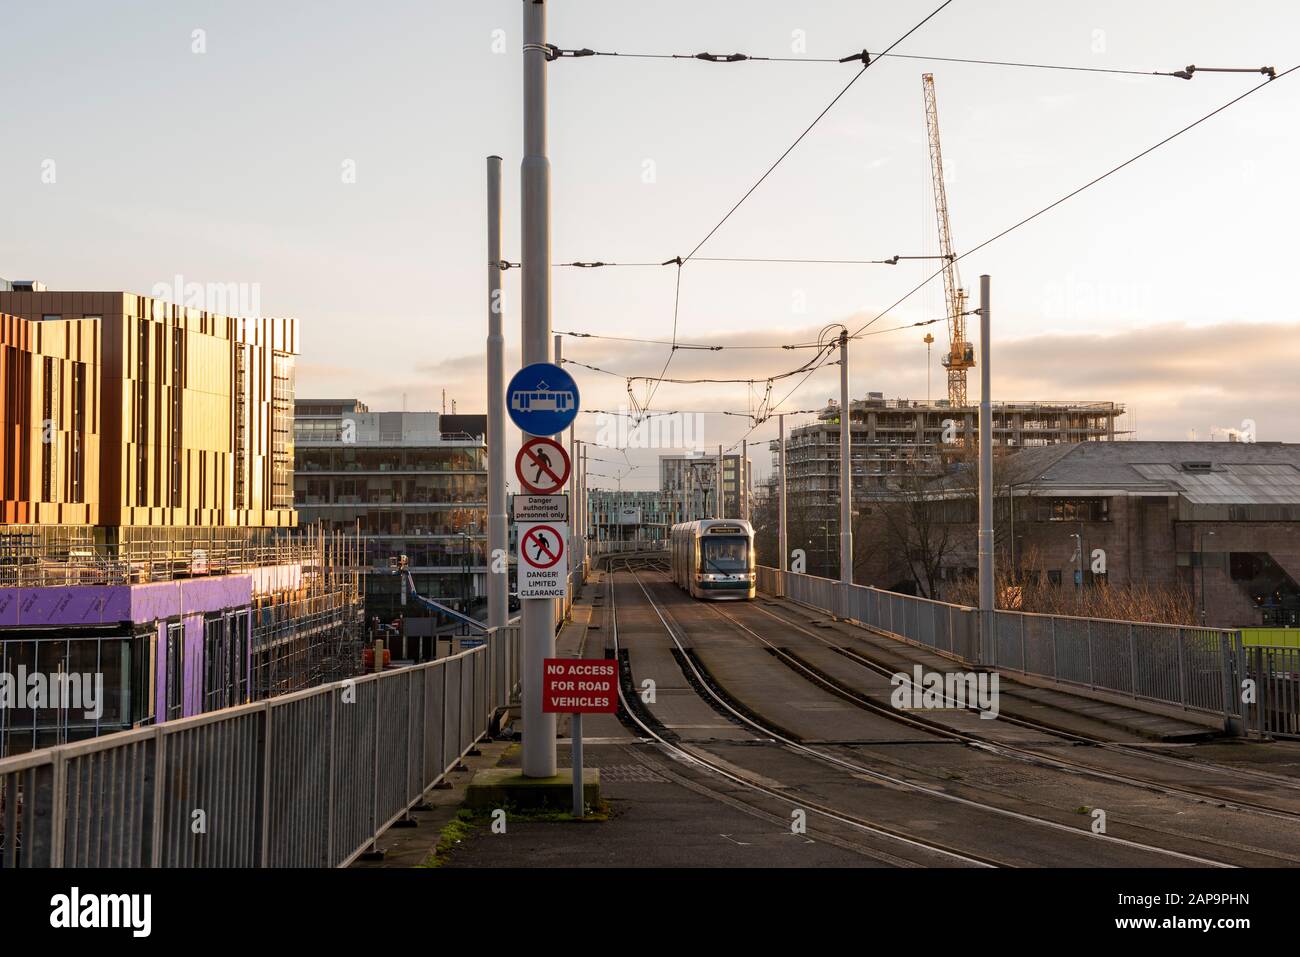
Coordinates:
493 788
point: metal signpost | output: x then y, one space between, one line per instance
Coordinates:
578 686
542 400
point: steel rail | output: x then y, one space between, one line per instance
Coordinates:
692 756
911 785
1030 756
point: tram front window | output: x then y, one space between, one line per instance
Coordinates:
725 555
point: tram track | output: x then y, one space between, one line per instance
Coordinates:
654 731
1012 751
789 742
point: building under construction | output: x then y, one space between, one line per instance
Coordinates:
147 540
898 441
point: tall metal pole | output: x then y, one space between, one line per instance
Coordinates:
568 489
744 479
498 582
721 491
538 614
781 543
986 474
846 468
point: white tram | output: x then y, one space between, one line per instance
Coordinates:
714 558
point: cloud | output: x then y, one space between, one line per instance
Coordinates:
1173 378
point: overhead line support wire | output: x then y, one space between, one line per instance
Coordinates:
1093 182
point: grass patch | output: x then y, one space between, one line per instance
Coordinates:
458 829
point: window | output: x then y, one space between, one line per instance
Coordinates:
175 671
1054 576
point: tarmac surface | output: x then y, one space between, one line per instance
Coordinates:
777 747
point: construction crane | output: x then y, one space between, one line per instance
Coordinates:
961 354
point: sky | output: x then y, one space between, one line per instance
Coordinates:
330 157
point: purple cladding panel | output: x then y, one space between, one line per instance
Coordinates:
193 662
65 605
105 604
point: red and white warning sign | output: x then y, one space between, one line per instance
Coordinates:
543 560
579 686
542 466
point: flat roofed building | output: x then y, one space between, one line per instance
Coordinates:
1221 519
414 484
158 415
695 475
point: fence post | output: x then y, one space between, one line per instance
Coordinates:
1092 676
159 779
331 777
265 855
1182 668
1132 661
1024 661
374 764
1056 675
58 809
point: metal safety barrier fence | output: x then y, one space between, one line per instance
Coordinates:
1193 668
309 779
1275 673
952 629
1196 669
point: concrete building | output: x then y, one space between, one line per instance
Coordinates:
695 475
1220 518
146 493
414 484
897 441
642 516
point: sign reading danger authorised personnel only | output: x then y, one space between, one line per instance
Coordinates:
579 686
543 560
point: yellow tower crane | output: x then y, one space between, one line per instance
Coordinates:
961 354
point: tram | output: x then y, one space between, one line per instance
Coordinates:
714 558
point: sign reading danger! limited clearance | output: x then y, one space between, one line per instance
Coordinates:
579 686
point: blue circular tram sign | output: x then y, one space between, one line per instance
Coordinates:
542 399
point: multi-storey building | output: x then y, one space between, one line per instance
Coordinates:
413 484
896 440
641 516
1219 519
692 478
146 467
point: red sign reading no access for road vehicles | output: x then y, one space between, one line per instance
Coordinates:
542 466
579 686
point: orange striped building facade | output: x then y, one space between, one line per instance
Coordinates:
132 412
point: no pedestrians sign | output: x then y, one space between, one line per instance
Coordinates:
543 560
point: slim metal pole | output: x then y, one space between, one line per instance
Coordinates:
986 472
498 582
782 544
568 490
721 492
538 614
744 479
576 737
846 470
